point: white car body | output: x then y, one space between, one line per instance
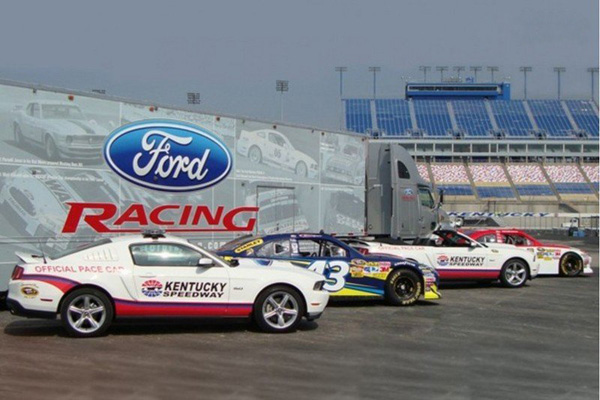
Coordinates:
74 135
473 262
273 148
219 290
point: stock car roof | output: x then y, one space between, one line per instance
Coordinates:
276 236
491 230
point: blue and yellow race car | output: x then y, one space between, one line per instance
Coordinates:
349 273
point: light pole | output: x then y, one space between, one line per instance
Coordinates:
592 70
475 70
441 70
281 86
458 69
374 70
424 68
558 71
492 69
525 70
341 70
193 98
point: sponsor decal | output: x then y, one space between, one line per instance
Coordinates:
152 288
442 260
248 246
105 218
409 195
194 289
505 214
356 272
167 155
29 291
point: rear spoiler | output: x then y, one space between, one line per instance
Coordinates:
30 258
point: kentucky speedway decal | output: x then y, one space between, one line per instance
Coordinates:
152 288
460 261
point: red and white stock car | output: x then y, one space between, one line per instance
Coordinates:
554 259
158 276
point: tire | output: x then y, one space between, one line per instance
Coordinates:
18 135
301 169
255 155
85 301
50 149
514 273
403 287
273 309
570 265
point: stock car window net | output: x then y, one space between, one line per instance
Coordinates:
164 254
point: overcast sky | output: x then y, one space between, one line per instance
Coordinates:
233 51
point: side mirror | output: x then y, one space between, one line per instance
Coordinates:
441 197
205 262
474 243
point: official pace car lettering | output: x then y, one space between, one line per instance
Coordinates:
154 288
104 218
334 272
167 155
460 261
94 269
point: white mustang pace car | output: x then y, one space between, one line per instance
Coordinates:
152 275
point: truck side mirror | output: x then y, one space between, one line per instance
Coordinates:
441 197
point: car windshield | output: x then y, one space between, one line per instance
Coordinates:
60 111
77 249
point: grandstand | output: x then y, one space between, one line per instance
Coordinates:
488 152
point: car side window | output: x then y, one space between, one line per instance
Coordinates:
308 248
36 110
426 198
276 248
164 255
451 239
490 238
516 240
330 249
273 138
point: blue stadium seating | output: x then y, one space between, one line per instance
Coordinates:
573 188
511 118
456 190
472 117
432 117
584 115
551 117
358 115
495 191
534 190
393 116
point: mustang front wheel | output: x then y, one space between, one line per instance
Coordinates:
403 287
513 274
86 313
571 265
278 309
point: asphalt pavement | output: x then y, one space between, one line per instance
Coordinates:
478 342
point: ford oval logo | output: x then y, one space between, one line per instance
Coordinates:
167 155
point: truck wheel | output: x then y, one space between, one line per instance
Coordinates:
403 287
301 169
571 265
513 274
51 149
86 312
255 155
18 135
278 309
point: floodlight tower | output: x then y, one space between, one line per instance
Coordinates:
424 68
493 69
475 70
558 71
592 71
458 69
374 70
441 70
281 86
525 70
341 71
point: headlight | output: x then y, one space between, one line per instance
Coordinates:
319 285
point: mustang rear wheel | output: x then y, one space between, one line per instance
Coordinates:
278 309
86 312
514 273
403 287
571 265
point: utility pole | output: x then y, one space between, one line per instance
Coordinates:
492 69
441 70
525 70
424 68
374 70
558 71
341 70
281 86
592 71
475 70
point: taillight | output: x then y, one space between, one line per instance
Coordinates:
17 273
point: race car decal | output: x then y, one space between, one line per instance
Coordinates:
63 284
460 261
139 309
248 245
